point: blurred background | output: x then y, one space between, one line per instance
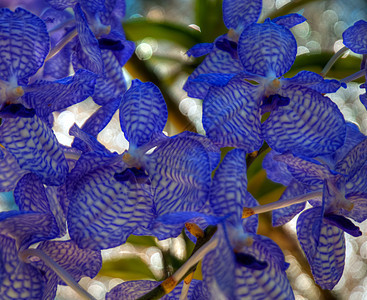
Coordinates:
163 31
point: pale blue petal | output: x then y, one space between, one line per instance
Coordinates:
238 13
143 112
231 116
267 49
77 262
35 148
24 44
311 125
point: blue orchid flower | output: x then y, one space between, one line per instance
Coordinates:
139 186
336 189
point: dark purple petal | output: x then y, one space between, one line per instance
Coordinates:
16 110
324 247
104 212
343 223
267 49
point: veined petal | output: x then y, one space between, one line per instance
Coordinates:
268 283
77 262
18 280
131 290
354 160
238 13
104 212
229 186
143 112
267 48
231 116
311 125
306 171
28 227
30 194
251 223
47 96
290 20
276 170
358 182
35 148
200 49
283 215
24 44
11 172
87 54
217 61
324 247
359 211
179 170
97 122
61 4
92 7
355 37
218 268
112 85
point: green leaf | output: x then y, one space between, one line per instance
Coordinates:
131 268
138 29
147 241
209 17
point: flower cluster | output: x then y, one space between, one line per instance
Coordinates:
76 201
